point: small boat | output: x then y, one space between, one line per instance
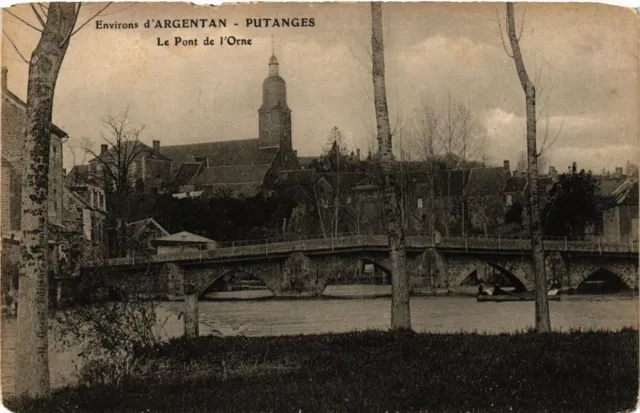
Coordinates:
514 297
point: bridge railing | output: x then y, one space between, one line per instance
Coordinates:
310 243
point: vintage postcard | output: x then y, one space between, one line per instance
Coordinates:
319 207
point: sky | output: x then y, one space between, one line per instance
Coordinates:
583 59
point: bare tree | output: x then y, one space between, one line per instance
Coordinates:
115 170
542 320
400 311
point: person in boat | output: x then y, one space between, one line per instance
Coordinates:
497 290
481 290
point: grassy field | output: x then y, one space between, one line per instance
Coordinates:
372 371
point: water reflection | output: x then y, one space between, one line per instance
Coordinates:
326 315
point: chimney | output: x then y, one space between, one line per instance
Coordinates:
156 148
358 153
103 148
618 171
507 166
5 72
553 173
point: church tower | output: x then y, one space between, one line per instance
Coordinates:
274 114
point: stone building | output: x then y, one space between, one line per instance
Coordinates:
148 169
620 218
85 209
12 130
241 168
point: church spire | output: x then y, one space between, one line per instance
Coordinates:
273 62
275 115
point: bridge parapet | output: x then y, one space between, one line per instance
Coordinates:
267 248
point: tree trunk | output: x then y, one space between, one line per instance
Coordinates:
543 323
32 363
400 313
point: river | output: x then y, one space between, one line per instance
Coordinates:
428 314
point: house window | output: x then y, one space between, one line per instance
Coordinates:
420 203
509 200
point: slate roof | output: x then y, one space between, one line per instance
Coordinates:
187 171
224 153
607 185
232 174
130 148
138 226
182 237
486 181
515 184
626 193
296 177
78 175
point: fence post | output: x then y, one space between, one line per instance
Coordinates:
498 241
266 246
190 311
566 245
466 245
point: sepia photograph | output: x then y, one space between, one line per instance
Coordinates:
319 207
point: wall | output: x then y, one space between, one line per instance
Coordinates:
5 194
627 213
174 249
12 130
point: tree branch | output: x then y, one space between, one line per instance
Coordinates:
37 14
91 18
15 47
23 21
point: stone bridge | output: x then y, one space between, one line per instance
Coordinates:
303 267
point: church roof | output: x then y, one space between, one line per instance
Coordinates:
232 174
224 153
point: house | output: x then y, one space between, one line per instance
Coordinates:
620 217
182 242
141 234
241 168
12 130
485 199
148 169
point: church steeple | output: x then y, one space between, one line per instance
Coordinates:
274 66
275 115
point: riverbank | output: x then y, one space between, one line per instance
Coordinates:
372 371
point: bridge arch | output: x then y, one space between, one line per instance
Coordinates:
603 280
510 276
204 278
581 271
236 276
488 272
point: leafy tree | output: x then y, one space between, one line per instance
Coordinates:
572 204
